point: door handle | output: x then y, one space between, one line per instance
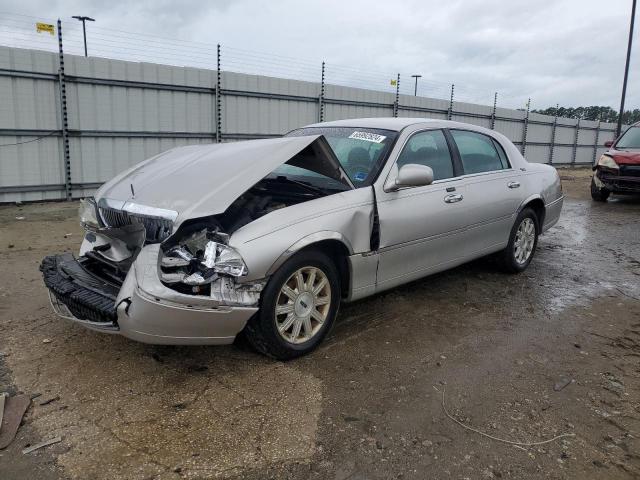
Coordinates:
453 198
513 184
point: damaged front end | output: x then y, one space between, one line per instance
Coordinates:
152 275
186 289
617 172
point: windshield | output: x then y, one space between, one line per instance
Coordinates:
630 139
361 151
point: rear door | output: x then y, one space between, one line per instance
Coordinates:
493 190
422 228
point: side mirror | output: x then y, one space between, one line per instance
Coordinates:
608 143
413 175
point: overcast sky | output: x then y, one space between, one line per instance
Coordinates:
570 52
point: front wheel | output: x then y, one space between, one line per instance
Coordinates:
297 307
522 242
599 194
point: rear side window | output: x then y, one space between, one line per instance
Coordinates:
478 152
428 148
501 154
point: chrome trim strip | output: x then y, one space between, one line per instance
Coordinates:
110 203
138 209
559 199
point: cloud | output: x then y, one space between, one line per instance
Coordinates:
569 52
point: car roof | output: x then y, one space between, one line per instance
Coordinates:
391 123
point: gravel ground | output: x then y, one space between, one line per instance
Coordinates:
552 351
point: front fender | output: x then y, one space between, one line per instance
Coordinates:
307 241
267 242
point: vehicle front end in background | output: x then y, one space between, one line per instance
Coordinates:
618 169
615 173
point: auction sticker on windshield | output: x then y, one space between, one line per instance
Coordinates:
369 137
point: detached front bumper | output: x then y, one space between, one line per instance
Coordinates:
142 309
627 180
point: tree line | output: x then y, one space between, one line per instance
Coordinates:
604 114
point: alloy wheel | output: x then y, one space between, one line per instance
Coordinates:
525 240
303 305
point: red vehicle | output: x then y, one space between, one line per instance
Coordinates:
618 169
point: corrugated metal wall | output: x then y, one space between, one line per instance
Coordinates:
120 113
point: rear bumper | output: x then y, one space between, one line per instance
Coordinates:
143 309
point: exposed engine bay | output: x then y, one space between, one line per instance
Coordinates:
271 193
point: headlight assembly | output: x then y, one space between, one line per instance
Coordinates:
608 162
199 258
88 214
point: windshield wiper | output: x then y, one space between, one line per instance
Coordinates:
304 185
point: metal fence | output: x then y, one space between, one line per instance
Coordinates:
68 122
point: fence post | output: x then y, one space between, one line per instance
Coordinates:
575 143
218 99
396 104
64 119
321 100
595 144
553 135
493 113
450 110
523 147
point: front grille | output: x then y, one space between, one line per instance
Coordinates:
157 229
114 218
621 183
630 170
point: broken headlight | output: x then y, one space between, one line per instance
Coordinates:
88 213
199 258
608 162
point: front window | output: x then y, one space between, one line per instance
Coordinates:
428 148
361 151
630 139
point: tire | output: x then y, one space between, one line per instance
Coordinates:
275 334
511 259
599 194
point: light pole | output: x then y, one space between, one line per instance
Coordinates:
415 89
626 68
84 30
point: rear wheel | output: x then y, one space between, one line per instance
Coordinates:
597 193
298 307
522 242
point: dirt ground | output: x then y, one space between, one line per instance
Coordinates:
369 402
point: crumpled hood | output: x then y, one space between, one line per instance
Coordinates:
202 180
625 157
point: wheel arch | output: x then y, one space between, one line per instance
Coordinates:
333 243
536 203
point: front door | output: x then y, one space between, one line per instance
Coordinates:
422 228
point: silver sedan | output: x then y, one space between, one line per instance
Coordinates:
266 238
